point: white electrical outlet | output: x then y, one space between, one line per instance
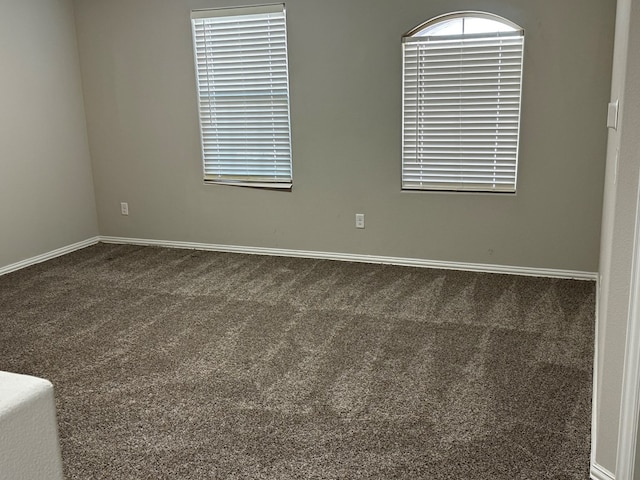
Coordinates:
124 208
359 220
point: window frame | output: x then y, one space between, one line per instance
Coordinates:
241 148
422 173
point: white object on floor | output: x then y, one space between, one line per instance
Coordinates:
29 447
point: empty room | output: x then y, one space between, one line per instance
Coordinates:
319 239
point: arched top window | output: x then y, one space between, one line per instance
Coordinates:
462 83
465 24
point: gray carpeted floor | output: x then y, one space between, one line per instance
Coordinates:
180 364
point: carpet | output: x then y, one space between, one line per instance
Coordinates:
182 364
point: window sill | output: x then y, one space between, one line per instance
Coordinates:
286 187
503 193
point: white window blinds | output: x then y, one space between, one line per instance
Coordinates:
243 94
461 110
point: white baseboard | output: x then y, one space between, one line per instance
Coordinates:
279 252
601 473
349 257
48 256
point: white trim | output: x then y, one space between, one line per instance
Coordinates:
352 257
236 11
600 473
630 401
48 256
595 389
629 404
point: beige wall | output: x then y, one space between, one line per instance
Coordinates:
345 69
46 190
619 219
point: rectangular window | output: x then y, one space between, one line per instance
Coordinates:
461 110
243 94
